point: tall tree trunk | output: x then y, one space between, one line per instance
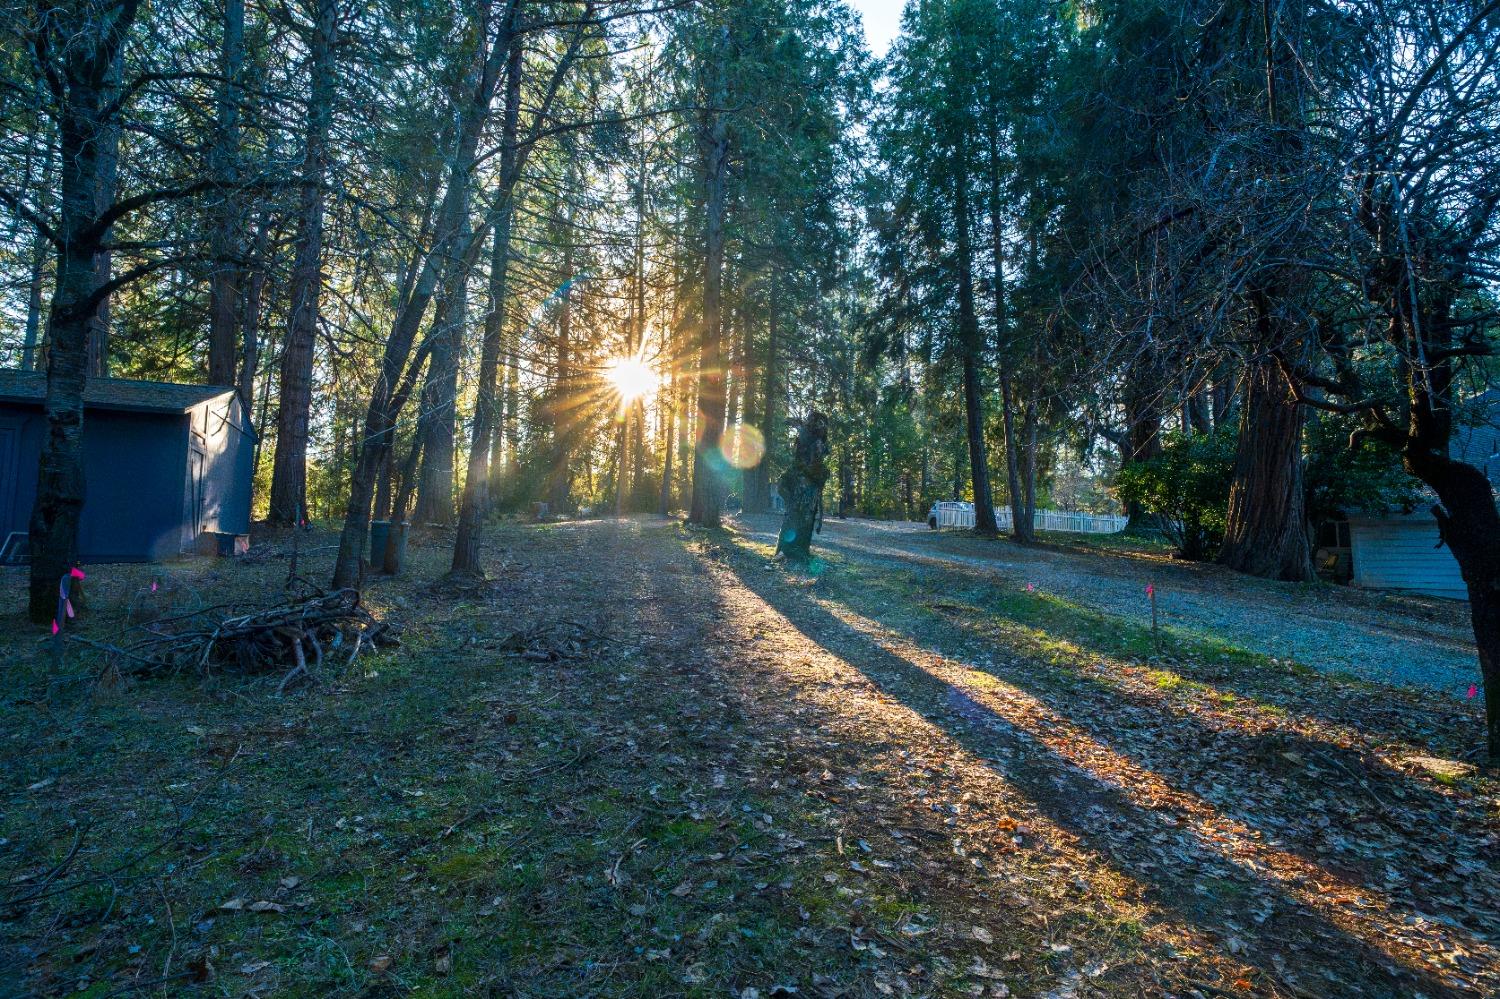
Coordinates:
37 272
289 466
637 443
1266 533
802 488
971 344
758 477
1029 424
669 429
37 275
225 243
254 283
385 400
708 488
1469 524
439 400
846 482
562 416
1020 526
104 197
467 544
88 129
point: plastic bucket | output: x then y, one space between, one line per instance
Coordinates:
395 552
380 532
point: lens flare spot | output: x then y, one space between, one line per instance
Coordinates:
743 446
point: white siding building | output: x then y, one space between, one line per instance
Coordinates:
1402 551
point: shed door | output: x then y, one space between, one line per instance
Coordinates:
196 466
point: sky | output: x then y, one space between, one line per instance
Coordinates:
882 21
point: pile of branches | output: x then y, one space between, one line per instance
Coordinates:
559 641
297 636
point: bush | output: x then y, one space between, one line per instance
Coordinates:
1187 487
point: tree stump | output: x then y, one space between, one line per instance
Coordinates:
802 489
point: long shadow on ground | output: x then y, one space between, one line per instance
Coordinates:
1282 936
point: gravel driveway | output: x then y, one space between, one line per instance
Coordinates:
1376 636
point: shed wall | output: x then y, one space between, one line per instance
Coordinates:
134 469
229 450
1403 554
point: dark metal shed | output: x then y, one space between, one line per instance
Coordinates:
163 463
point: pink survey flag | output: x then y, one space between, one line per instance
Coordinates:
76 573
55 628
1473 691
1150 589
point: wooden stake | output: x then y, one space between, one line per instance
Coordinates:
1155 631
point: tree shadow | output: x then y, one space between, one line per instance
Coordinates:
1278 915
1432 723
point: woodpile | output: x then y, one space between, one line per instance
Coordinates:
298 635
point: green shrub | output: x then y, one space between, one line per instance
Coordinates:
1187 488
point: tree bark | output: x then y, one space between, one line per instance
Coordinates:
88 126
385 400
467 544
1266 533
253 287
105 190
708 489
971 344
802 489
439 399
37 273
758 477
225 243
1469 524
289 465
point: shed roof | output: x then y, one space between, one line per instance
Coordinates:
114 393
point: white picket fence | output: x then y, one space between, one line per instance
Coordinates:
962 515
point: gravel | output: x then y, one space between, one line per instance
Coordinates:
1387 638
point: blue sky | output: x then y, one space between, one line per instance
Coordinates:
882 21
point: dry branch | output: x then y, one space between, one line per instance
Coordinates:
293 635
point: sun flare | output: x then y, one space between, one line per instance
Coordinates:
631 378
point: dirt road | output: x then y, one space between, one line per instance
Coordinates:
1382 637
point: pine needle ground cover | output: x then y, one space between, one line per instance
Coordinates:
643 761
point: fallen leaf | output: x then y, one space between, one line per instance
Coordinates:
264 906
981 934
381 964
234 904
